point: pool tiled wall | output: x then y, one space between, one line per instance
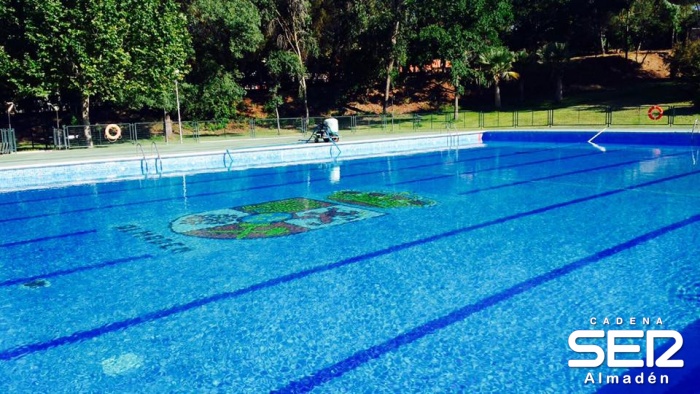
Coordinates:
88 172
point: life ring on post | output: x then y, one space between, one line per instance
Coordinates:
655 112
113 132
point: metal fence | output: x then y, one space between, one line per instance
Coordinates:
69 137
8 141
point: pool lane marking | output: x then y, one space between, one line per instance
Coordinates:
79 336
48 238
364 356
54 274
575 172
536 179
209 194
268 173
434 178
482 170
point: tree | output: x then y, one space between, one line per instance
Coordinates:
555 55
160 51
93 48
291 25
279 64
497 63
457 32
524 64
224 33
685 64
396 51
581 23
645 22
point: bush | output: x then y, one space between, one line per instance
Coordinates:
685 65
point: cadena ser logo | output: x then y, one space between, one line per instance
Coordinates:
612 344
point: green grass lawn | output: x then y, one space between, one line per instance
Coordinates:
623 106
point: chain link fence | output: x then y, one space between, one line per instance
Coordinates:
300 129
8 141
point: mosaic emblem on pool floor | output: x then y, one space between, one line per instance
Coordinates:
269 219
380 199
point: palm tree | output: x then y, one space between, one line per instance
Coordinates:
556 56
524 64
497 64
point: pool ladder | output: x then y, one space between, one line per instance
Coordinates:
228 155
600 148
334 157
155 155
694 152
453 141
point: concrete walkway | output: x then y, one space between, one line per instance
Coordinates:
128 150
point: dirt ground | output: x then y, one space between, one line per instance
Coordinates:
652 66
653 63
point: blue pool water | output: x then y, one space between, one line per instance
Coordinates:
166 285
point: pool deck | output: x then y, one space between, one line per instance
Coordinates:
128 150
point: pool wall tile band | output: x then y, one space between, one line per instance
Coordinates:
136 168
634 137
36 176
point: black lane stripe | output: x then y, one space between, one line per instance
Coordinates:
165 199
156 315
48 238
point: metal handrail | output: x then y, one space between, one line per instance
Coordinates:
331 149
158 161
453 140
600 148
144 163
230 156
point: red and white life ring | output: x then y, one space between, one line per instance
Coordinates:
113 135
655 112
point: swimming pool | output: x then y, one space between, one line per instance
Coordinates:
452 271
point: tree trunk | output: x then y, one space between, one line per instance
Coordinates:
644 58
167 126
387 87
497 95
277 115
456 114
627 35
302 86
390 67
559 92
85 112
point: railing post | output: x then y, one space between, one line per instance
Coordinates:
672 118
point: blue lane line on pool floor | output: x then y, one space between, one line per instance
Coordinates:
153 316
433 178
259 187
266 174
364 356
554 176
48 238
263 174
54 274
